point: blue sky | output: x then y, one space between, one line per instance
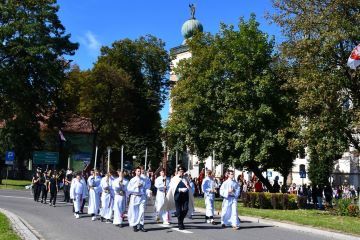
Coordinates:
95 23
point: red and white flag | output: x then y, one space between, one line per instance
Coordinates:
354 59
62 136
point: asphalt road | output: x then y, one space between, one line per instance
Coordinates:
59 223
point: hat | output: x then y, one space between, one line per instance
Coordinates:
180 168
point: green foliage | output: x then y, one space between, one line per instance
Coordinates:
265 200
33 43
123 94
6 232
230 99
343 206
320 36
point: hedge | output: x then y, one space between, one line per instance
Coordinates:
265 200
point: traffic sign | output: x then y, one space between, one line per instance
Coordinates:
43 158
9 158
302 174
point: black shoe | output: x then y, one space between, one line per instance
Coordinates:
135 229
120 225
181 227
143 229
102 219
213 223
223 226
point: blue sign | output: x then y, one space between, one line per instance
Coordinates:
269 174
9 158
302 174
44 158
84 157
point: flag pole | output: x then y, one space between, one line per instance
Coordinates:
96 153
122 158
146 152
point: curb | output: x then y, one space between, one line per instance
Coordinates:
300 228
21 227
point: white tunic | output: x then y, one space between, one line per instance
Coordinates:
229 215
208 186
137 201
78 193
160 184
107 197
119 189
94 194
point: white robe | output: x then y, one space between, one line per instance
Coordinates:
94 194
207 186
169 203
107 198
229 214
119 199
137 203
160 198
77 191
72 188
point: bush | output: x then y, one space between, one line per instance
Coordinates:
353 210
269 200
302 202
342 206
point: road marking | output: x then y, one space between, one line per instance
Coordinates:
175 229
15 197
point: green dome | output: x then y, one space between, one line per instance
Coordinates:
190 27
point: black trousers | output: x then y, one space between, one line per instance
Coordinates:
44 193
182 207
53 195
66 193
37 191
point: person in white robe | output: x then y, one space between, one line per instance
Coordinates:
230 191
179 197
162 184
107 199
85 193
119 186
77 191
208 187
94 194
137 187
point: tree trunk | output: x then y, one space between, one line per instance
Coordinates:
255 169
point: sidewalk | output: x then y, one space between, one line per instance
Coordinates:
21 227
295 227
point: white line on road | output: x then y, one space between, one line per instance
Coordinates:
15 197
175 229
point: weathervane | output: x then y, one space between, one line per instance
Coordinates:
192 10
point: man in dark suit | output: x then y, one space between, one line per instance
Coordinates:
181 197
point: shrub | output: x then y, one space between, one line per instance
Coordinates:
301 202
269 200
353 210
342 206
274 200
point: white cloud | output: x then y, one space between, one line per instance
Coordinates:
91 43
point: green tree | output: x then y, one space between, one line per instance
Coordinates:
33 41
124 94
319 38
230 99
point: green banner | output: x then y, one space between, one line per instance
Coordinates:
44 158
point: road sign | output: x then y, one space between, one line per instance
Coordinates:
302 174
43 158
9 158
269 174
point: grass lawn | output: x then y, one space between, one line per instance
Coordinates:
14 184
315 218
6 232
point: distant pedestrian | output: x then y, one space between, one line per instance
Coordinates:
53 189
